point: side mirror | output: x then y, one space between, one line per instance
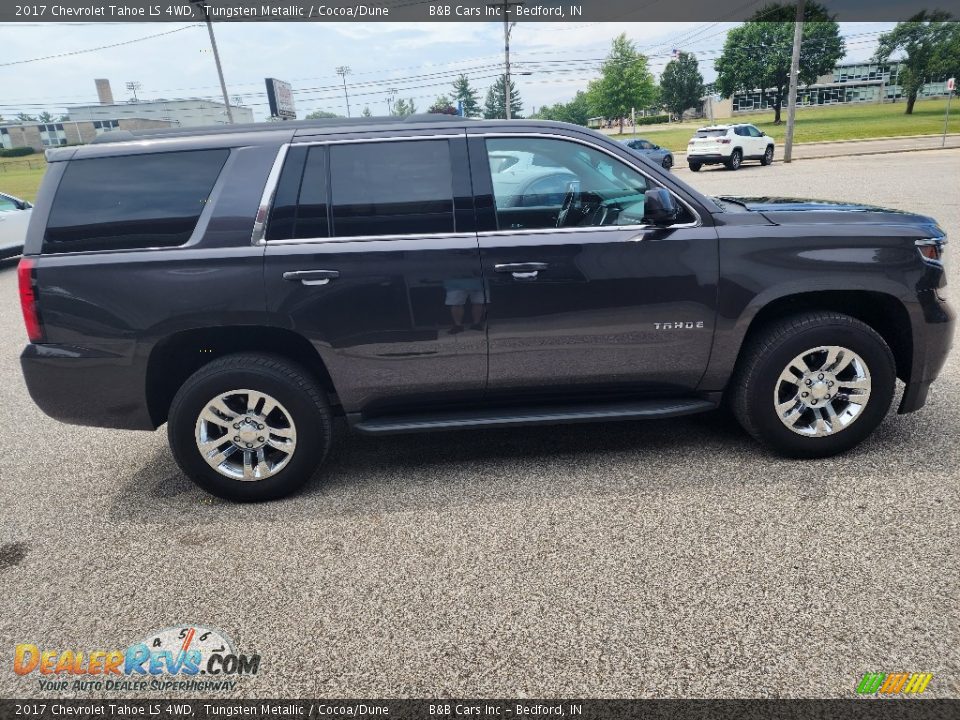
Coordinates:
659 207
25 205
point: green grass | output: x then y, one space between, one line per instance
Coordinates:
856 122
21 176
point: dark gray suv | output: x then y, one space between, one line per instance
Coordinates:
245 285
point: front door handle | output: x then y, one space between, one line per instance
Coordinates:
522 270
312 277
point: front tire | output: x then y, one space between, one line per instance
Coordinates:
250 427
767 158
813 385
667 162
736 157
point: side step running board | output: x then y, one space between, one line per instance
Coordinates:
536 415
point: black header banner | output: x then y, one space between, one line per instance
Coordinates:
451 709
587 11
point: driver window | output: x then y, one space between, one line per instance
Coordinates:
560 183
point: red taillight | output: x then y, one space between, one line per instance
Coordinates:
724 141
932 248
28 299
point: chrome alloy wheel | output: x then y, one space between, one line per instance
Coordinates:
822 391
246 435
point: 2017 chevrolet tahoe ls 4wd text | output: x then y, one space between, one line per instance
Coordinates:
245 285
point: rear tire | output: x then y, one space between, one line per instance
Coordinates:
772 410
268 451
736 157
695 166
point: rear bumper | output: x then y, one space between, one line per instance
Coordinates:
86 387
934 326
706 158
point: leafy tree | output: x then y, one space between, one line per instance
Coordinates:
577 111
946 59
24 118
757 54
45 117
925 39
320 114
625 82
681 85
404 108
366 111
443 106
464 93
494 107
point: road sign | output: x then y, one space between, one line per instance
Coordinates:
280 97
951 83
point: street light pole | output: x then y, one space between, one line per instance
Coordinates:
216 59
343 71
794 81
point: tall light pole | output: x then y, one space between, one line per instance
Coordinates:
794 81
343 71
216 58
390 99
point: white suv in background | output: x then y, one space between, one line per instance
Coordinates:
730 145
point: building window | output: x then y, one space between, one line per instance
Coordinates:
52 134
102 126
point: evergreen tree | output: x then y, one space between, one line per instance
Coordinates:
495 108
464 93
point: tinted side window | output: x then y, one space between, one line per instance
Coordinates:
134 201
391 188
312 219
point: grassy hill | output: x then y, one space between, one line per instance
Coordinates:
827 122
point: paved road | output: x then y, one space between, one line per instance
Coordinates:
672 558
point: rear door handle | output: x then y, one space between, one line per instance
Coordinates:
312 277
522 270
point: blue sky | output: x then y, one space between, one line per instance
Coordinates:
419 60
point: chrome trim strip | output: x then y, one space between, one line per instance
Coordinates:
397 138
373 238
266 199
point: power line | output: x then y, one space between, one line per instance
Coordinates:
95 49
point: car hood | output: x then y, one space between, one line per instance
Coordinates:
785 211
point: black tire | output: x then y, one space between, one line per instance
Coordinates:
695 166
767 353
667 162
767 158
291 385
736 157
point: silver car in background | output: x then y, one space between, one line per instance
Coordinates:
14 218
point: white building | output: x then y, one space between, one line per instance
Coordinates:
185 113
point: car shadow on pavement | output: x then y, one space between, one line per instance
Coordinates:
372 476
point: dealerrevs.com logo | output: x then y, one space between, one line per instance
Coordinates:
190 657
894 683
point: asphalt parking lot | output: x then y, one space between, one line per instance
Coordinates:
661 559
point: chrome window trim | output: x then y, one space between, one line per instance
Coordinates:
273 178
258 237
603 228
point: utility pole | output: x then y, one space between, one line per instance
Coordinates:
216 58
133 86
794 81
507 28
343 71
390 98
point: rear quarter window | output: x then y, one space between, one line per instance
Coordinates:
133 201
